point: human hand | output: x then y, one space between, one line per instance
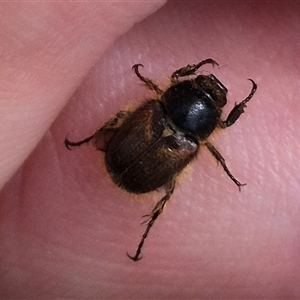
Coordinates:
65 227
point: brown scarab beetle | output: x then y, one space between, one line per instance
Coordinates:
146 149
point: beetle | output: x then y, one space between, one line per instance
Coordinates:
147 148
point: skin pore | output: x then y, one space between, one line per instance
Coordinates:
65 227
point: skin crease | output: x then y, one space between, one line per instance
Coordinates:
65 227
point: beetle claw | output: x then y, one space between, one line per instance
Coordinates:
134 258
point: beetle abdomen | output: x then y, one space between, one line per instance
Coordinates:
145 154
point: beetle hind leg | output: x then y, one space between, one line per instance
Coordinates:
155 213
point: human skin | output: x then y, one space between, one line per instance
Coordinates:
66 228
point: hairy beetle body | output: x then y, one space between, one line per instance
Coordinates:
147 148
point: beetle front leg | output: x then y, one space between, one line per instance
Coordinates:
103 135
191 69
238 108
157 210
148 82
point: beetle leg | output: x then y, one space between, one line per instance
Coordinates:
69 144
191 69
217 155
107 130
149 83
157 210
238 108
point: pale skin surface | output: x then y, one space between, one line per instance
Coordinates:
65 228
